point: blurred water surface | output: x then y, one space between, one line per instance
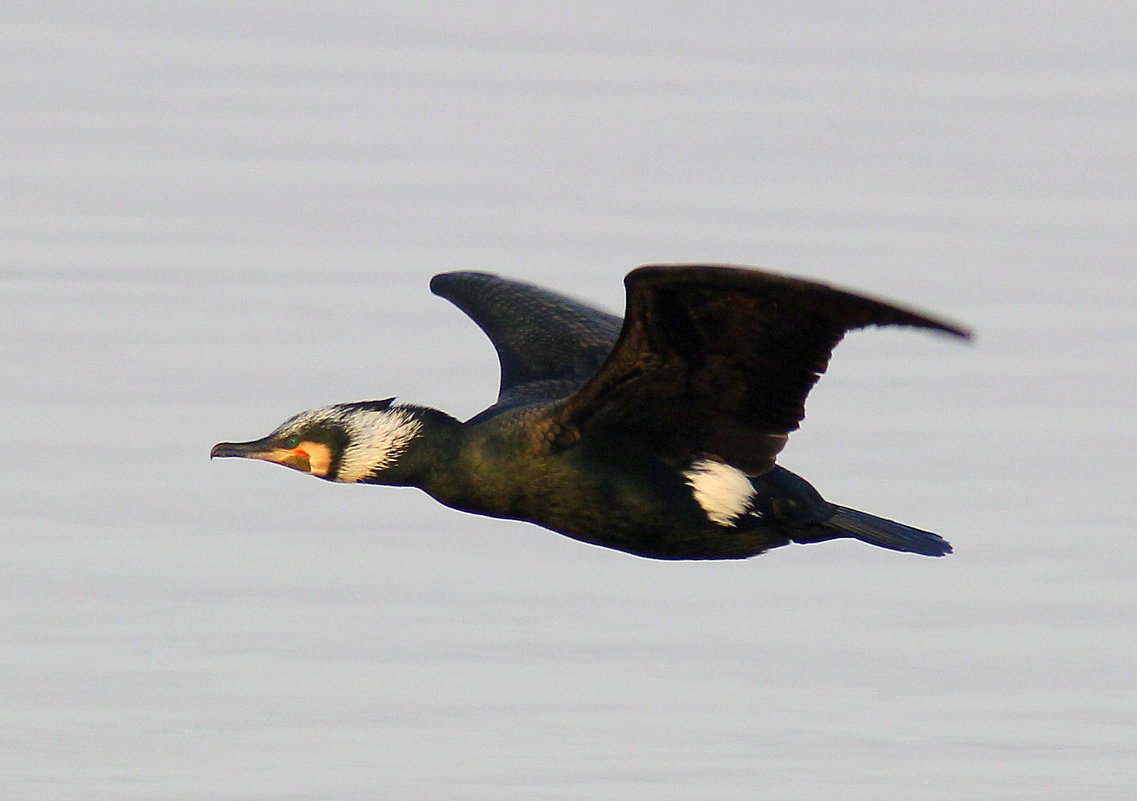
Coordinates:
218 214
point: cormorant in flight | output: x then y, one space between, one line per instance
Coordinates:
656 434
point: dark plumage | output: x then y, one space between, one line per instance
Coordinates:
656 435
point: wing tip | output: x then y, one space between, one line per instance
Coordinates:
443 283
732 273
953 329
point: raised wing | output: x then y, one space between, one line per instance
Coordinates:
718 361
548 345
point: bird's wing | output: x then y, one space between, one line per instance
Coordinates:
548 345
718 361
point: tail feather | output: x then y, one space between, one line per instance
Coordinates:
885 533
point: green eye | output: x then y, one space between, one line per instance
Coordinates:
291 442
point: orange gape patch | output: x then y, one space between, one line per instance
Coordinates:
319 457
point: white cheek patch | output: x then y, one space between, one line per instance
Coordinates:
375 441
724 492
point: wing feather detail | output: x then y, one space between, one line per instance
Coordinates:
715 361
547 344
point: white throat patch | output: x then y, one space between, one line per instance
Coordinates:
375 441
723 491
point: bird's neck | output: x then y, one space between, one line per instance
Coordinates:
431 450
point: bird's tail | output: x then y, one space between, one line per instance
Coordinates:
885 533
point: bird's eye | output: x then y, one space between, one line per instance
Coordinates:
291 442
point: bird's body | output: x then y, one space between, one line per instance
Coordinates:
656 435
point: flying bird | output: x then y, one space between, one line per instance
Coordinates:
656 434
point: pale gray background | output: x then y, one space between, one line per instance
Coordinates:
216 214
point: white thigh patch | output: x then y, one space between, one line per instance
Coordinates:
723 491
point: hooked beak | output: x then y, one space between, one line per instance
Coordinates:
265 450
224 450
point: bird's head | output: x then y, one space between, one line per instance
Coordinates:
347 442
